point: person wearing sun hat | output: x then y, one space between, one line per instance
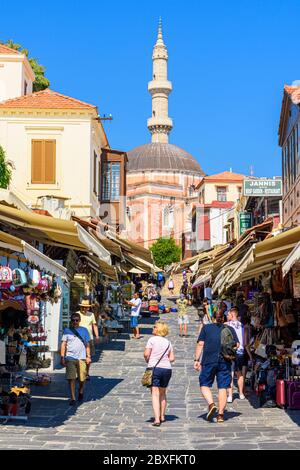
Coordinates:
89 322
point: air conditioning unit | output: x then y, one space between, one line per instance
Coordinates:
52 203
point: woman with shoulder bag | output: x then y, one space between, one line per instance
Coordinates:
159 354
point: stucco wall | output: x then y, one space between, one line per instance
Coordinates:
73 157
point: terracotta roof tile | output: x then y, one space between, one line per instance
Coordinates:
46 99
293 92
226 176
8 50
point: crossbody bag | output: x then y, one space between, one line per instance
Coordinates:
148 374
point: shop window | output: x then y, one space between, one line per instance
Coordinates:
110 181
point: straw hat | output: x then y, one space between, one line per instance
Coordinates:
85 303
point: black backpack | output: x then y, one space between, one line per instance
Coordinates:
228 344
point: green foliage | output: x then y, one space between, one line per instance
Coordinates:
41 82
165 252
5 170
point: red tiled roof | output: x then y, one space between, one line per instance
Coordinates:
46 99
42 212
8 50
293 92
226 176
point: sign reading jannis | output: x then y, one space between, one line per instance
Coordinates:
263 187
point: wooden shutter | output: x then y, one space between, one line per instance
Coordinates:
36 161
43 162
49 161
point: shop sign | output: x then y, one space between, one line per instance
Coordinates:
245 221
296 281
263 187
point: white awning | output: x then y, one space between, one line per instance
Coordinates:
93 245
137 271
202 279
293 258
44 262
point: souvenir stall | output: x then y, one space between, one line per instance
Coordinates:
264 284
29 286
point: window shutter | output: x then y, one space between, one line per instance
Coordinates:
36 161
43 162
50 161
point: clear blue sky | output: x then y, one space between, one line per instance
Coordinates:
228 61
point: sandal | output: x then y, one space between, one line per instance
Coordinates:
156 424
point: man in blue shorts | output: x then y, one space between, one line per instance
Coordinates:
213 365
136 305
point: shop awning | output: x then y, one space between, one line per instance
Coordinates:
265 256
291 260
137 271
14 244
131 247
93 244
101 267
202 279
201 258
43 261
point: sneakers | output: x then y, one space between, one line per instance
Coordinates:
211 412
242 396
220 419
229 399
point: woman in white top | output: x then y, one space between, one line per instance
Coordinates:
159 349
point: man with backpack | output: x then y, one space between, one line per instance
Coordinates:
218 344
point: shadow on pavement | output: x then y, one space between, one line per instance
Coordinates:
227 415
50 404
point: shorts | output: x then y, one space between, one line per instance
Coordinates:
240 362
161 377
134 322
183 320
76 369
221 371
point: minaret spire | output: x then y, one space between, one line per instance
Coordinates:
160 125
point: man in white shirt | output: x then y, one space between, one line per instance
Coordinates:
241 361
136 305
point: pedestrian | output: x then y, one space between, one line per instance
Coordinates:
160 278
241 360
76 356
183 319
136 305
171 285
88 321
213 365
206 317
159 354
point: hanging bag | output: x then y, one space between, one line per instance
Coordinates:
19 277
6 277
148 374
34 277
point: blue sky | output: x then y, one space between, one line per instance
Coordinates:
228 61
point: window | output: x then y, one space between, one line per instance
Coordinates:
43 161
221 194
110 181
25 87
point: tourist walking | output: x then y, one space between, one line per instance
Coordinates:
241 360
88 321
75 356
136 305
213 365
171 285
183 319
159 354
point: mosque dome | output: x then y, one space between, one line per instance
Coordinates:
162 156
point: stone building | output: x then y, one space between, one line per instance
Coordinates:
289 141
161 177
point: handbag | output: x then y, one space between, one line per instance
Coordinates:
265 339
148 374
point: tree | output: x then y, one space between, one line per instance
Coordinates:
165 252
5 170
41 82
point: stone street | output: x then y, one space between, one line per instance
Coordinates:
117 410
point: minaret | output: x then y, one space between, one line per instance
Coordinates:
160 125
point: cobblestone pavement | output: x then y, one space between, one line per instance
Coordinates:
117 410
